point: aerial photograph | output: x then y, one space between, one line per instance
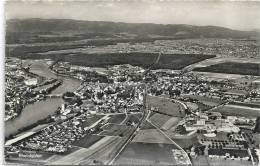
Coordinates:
131 83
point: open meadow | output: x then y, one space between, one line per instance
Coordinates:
147 154
233 68
238 110
165 106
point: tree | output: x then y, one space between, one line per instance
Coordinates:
253 94
68 94
100 95
246 145
257 125
78 101
87 94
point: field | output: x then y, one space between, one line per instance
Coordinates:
134 118
105 154
76 157
159 119
147 125
170 123
164 122
232 68
186 142
192 106
252 105
238 110
203 107
151 136
205 100
165 105
116 118
219 76
167 61
147 154
115 130
91 119
87 141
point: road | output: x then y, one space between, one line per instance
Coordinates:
217 106
126 117
88 153
80 155
185 107
180 148
133 134
144 117
94 124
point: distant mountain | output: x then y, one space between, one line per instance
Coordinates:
76 26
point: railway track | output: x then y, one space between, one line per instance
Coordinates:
144 116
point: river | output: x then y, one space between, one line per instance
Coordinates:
40 110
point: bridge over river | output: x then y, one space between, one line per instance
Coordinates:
41 109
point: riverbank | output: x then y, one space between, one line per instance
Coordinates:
24 129
41 109
41 95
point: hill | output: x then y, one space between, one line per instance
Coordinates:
22 28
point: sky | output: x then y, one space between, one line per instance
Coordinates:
230 14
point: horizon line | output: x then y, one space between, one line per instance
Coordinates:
37 18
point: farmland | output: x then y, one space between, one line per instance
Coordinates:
91 119
109 72
116 118
79 155
104 154
205 100
186 142
147 154
238 110
151 136
164 122
232 68
159 119
252 105
134 118
165 106
170 123
115 130
167 61
87 141
146 125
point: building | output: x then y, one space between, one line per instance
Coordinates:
31 81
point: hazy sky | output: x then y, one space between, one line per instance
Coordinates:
235 15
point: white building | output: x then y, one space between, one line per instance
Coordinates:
31 81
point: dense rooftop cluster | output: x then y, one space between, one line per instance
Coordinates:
222 47
18 90
24 87
120 89
69 122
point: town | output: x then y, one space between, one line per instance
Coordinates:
131 83
112 104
